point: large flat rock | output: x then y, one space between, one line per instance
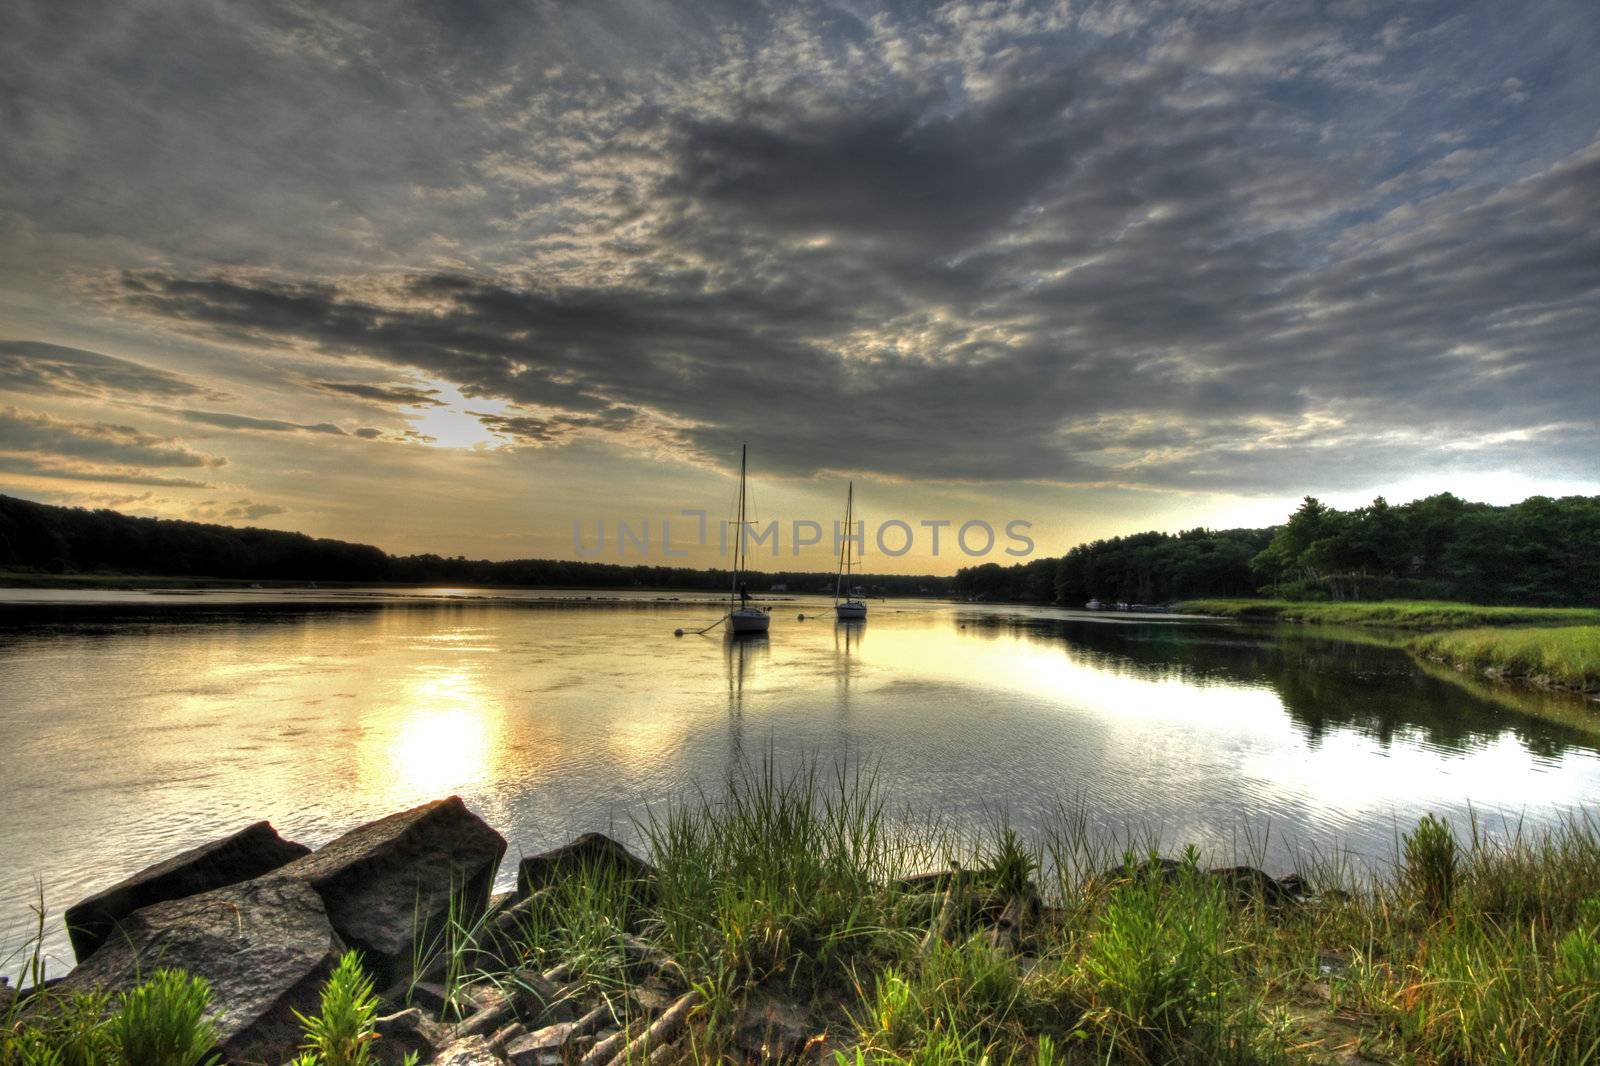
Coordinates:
391 881
249 853
265 947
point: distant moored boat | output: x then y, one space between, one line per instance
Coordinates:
743 619
849 608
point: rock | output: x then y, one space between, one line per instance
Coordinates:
390 882
1164 870
588 852
473 1051
939 880
406 1032
431 996
264 946
558 1042
771 1029
252 851
544 1047
1249 884
1010 931
505 1034
493 1009
533 993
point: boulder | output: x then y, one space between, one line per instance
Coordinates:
393 883
592 851
1247 884
264 946
252 851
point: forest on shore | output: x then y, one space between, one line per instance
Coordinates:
42 538
1540 551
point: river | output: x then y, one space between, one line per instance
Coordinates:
137 723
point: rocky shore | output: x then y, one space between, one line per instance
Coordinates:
264 921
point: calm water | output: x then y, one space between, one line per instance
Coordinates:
136 724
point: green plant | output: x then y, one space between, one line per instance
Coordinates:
1153 966
162 1022
1429 858
1012 864
341 1033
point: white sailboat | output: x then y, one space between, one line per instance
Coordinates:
743 619
846 606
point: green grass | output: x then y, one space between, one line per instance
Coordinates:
1398 614
1475 949
1568 656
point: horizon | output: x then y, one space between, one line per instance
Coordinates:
478 274
811 561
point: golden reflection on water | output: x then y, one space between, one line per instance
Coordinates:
438 740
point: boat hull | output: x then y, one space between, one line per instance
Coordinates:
850 612
745 622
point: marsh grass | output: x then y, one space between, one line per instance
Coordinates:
1398 614
1566 655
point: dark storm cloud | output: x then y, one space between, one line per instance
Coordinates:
1230 247
32 366
1490 298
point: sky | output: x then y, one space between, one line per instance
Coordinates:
454 276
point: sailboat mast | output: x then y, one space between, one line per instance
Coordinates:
844 548
738 527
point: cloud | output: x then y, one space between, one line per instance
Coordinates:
33 366
988 363
225 420
37 432
41 445
67 469
1246 248
235 511
386 395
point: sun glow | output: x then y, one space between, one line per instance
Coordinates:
452 422
441 738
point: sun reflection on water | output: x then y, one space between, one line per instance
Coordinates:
439 736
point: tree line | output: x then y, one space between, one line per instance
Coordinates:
1540 551
63 540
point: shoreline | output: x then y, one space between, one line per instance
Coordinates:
780 923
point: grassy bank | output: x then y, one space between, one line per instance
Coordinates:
1565 656
788 889
1397 614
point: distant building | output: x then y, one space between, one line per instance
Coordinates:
779 587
